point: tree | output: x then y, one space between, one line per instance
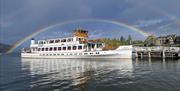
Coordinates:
129 40
122 39
150 41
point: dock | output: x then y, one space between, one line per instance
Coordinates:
156 52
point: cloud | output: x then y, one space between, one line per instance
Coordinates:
146 23
23 17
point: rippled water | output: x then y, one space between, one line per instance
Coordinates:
18 74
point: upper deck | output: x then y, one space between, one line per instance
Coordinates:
78 36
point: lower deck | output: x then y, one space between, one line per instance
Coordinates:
99 54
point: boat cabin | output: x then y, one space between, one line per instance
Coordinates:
78 43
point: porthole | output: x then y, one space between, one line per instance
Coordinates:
97 52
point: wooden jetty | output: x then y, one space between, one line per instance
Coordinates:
156 52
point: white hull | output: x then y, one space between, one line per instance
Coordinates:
118 53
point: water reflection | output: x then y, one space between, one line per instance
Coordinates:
18 74
68 73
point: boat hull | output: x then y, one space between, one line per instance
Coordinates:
118 53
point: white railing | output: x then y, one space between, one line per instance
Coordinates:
168 49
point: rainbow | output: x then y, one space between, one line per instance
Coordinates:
18 43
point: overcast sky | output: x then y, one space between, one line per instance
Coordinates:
20 18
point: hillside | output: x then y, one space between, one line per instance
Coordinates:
4 47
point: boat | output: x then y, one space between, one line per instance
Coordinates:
77 46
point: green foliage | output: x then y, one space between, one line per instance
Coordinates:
150 40
129 40
138 43
114 43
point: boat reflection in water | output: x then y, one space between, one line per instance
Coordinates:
77 74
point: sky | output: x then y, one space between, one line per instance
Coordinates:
21 18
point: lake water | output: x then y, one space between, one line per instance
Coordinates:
18 74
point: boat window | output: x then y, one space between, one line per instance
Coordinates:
55 48
69 48
85 46
57 41
79 47
74 47
41 42
85 53
64 48
62 54
69 40
97 45
100 45
51 41
63 40
42 49
39 49
97 52
50 49
46 49
59 48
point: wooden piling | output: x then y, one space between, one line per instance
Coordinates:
149 54
141 55
162 52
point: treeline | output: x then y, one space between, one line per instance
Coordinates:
116 42
4 48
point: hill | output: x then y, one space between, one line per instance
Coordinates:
4 48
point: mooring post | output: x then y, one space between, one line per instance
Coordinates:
141 55
150 62
149 54
136 54
163 54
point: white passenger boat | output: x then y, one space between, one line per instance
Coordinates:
77 46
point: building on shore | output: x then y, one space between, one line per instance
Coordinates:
169 40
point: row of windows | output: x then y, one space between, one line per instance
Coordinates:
69 54
60 40
61 48
56 41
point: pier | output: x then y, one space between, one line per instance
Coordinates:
156 52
